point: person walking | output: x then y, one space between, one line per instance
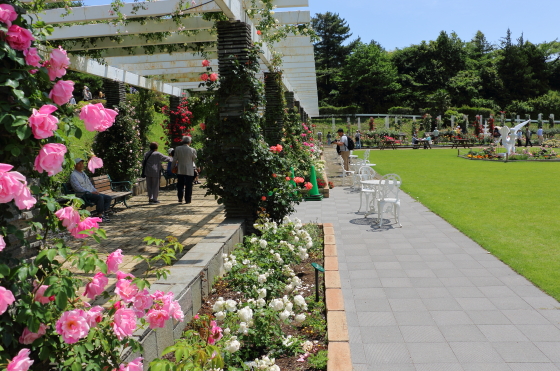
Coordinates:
329 138
344 151
152 170
358 136
184 158
528 136
540 136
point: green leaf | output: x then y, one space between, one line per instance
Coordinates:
4 270
11 83
61 302
23 132
15 151
78 133
76 366
51 254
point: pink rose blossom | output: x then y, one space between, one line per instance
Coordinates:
6 299
62 92
86 224
126 290
175 311
113 261
308 185
69 216
50 158
213 77
124 323
32 58
57 64
142 301
11 183
215 333
7 14
28 337
97 118
134 365
94 163
40 295
24 200
19 38
73 326
94 316
205 63
43 124
121 275
21 362
2 243
157 317
96 286
204 77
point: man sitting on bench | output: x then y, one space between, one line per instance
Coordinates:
82 185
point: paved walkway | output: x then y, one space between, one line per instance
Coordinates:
425 297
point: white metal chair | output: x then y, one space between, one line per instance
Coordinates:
366 173
366 156
388 194
346 173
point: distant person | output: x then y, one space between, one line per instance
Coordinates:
101 95
496 134
86 94
343 146
519 136
320 137
358 141
528 136
83 186
540 136
329 138
184 159
72 101
152 170
371 124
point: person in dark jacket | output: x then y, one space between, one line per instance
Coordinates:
152 170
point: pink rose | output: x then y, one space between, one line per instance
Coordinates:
94 163
126 290
43 124
204 77
96 286
19 38
50 158
124 323
175 311
213 77
2 243
58 63
157 317
31 57
308 185
28 337
40 295
86 224
24 200
6 299
7 14
205 63
69 216
122 275
94 316
96 117
142 301
134 365
73 326
11 183
113 261
215 333
62 92
21 362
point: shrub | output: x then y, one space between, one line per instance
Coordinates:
331 110
473 111
401 111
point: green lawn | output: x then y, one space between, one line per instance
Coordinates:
510 209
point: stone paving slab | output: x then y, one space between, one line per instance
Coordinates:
425 297
128 228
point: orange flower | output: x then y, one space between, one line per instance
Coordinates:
274 175
263 198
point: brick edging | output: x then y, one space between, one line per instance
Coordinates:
337 326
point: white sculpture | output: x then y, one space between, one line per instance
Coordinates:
509 136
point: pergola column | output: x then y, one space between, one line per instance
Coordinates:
289 96
274 118
115 92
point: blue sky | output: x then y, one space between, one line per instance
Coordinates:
400 23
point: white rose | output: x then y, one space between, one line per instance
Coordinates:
307 346
303 256
231 305
254 239
263 243
218 305
245 314
262 293
309 245
289 288
227 330
296 239
289 306
277 304
262 278
300 318
261 303
220 316
228 266
284 315
274 368
243 329
246 261
300 301
232 345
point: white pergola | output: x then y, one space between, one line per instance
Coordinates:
172 73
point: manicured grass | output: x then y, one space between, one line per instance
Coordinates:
511 209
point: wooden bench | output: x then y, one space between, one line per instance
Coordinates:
118 191
460 142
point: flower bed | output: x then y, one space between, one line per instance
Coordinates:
263 313
543 153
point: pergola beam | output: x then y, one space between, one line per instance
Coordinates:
179 56
140 51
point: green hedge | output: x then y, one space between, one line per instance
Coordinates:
473 111
331 110
401 111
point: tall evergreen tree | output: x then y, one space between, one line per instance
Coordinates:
330 53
